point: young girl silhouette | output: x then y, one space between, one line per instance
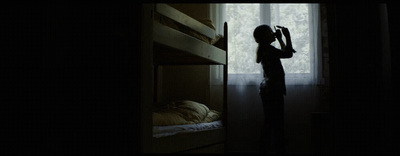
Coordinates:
272 88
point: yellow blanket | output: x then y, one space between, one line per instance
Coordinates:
184 112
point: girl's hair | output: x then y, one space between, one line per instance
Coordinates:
259 33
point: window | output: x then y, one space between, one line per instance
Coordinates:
303 24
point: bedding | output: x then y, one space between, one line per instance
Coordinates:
163 131
184 112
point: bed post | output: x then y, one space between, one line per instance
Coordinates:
225 103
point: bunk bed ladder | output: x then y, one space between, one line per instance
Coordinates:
225 90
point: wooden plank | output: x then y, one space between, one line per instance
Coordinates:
216 148
187 141
187 45
184 19
225 91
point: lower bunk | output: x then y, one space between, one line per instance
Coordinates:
188 127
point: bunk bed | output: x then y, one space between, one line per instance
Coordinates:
178 39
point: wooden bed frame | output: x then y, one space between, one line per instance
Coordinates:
167 46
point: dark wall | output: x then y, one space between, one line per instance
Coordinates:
391 112
359 77
70 78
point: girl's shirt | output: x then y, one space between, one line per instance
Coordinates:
272 66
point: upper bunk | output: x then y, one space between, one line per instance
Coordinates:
173 46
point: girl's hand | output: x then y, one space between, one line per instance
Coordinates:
278 34
286 32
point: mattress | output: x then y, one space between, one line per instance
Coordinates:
163 131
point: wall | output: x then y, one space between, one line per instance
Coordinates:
70 84
184 83
391 114
360 78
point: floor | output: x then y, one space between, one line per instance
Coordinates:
308 139
306 131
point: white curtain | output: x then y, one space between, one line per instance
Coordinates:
303 23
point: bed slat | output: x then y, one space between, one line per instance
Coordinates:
184 19
187 44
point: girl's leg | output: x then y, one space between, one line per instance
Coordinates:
266 132
279 126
